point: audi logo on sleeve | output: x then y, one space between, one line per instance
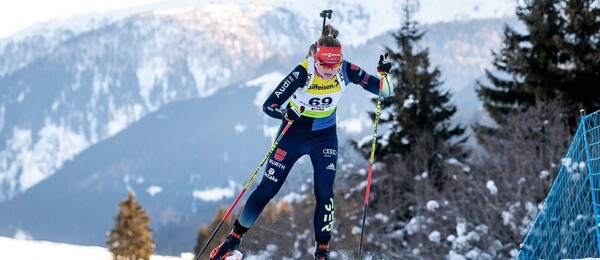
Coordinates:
329 152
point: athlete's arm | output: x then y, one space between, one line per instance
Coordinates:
369 82
296 79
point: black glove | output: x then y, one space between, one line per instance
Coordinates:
385 65
292 114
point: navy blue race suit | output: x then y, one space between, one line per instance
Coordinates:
313 134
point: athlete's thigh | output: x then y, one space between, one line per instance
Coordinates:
281 160
323 155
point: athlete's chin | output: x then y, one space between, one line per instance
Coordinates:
328 75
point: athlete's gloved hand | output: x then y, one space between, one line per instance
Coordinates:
385 65
292 114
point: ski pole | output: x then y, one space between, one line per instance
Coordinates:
245 187
371 159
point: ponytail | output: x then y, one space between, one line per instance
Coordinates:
329 37
329 31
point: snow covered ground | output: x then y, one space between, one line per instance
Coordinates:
22 249
19 249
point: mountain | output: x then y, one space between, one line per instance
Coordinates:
169 158
95 84
166 103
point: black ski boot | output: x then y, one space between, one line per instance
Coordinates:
322 252
231 243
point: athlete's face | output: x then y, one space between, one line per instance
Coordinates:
327 70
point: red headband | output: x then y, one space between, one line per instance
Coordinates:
329 54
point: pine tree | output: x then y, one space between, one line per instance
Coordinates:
582 32
420 109
204 232
556 59
131 238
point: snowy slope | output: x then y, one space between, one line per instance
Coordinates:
21 249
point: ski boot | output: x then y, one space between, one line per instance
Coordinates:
225 249
322 252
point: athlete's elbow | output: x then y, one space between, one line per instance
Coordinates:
271 109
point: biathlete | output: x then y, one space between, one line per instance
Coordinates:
308 97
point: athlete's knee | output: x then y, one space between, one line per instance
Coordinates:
266 191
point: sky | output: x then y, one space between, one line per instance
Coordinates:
18 15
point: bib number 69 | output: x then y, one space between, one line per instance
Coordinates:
320 101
